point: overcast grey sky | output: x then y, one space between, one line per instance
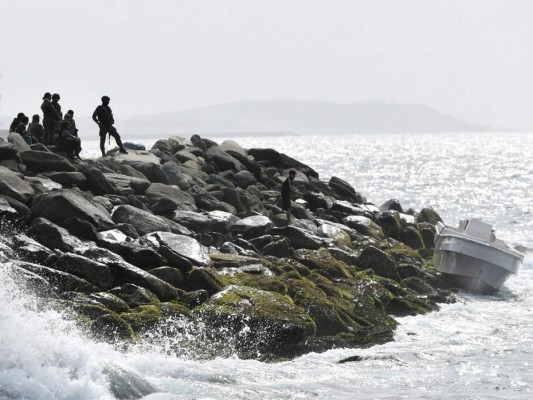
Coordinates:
468 58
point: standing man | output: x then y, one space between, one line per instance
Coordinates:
103 116
50 118
286 189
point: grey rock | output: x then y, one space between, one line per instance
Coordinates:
379 262
253 226
93 272
12 185
183 200
133 295
42 161
170 275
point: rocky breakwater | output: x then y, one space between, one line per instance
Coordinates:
190 234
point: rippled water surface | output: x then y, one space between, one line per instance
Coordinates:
478 348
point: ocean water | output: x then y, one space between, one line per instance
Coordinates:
478 348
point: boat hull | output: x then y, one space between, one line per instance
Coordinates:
473 264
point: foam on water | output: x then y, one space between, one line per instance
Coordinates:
478 348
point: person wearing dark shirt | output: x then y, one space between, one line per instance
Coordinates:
50 118
72 128
67 142
286 189
103 116
16 122
22 131
36 129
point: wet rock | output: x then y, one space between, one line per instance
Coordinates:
345 190
136 254
428 214
412 238
60 205
145 222
18 142
134 295
338 233
245 179
377 260
221 221
31 250
322 262
253 226
8 151
125 273
194 221
272 321
184 247
151 171
109 300
93 272
170 275
80 228
176 176
279 248
390 223
53 236
112 328
364 226
12 185
392 204
59 280
42 161
205 279
299 238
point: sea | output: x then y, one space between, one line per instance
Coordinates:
480 347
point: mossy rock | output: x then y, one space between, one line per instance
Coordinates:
380 262
207 279
323 262
112 328
428 214
269 283
175 310
134 295
109 300
257 321
92 311
418 285
143 317
412 238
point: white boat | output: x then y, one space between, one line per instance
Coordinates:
473 258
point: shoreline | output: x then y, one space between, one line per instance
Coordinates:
191 230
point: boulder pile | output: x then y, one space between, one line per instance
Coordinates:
192 231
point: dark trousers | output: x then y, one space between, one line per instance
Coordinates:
104 130
49 128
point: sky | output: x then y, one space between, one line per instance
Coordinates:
469 58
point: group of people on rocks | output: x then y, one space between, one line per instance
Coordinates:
60 130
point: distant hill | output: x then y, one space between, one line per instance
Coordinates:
298 117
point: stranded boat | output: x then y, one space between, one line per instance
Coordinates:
473 258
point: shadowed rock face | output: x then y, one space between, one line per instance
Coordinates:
194 230
65 204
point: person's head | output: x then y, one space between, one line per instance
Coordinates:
47 95
105 100
20 116
71 113
25 120
35 118
292 174
67 117
55 97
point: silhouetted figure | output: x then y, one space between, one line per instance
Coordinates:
50 119
36 129
103 116
67 142
21 129
286 189
73 128
16 121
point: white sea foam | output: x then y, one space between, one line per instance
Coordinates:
478 348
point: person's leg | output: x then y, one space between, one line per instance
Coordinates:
103 133
113 132
288 213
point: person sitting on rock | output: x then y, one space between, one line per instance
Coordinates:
286 189
22 131
16 122
36 129
103 116
73 128
67 142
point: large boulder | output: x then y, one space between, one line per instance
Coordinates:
257 320
97 181
253 226
54 237
182 246
92 271
8 151
60 205
222 159
379 262
183 200
365 226
18 142
13 186
42 161
279 160
68 179
145 222
138 185
194 221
